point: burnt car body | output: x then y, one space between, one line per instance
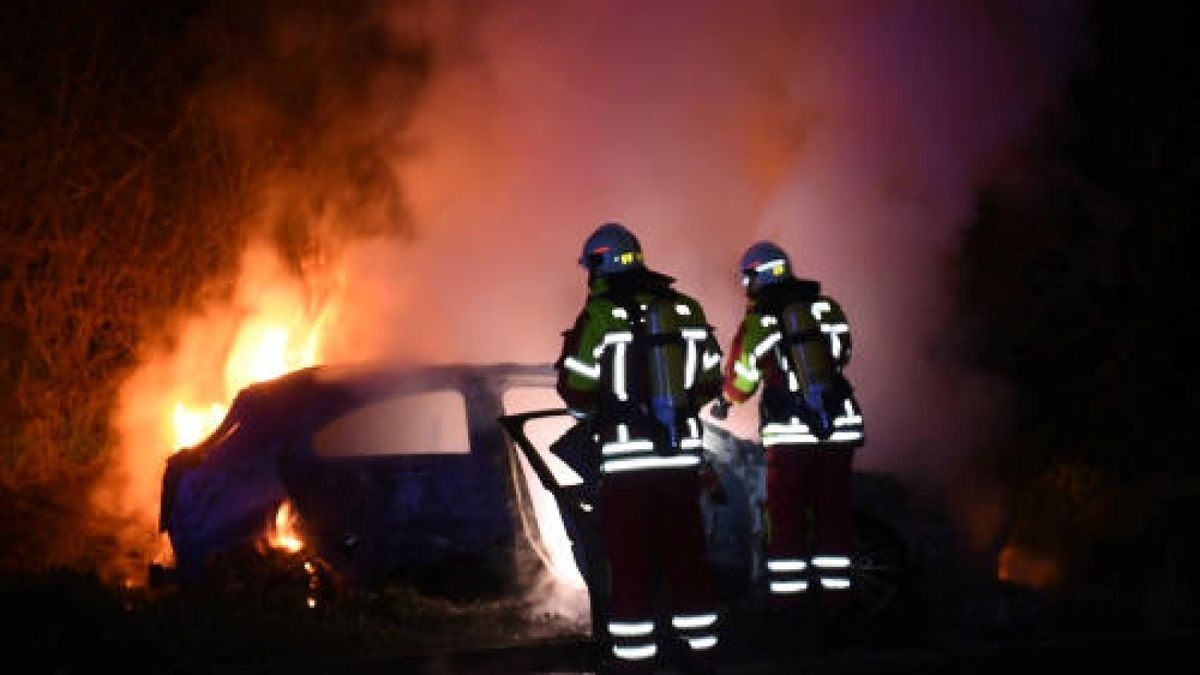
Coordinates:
428 473
374 498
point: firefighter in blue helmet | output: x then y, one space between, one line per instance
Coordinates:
794 343
638 365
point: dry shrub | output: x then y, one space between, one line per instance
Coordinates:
130 180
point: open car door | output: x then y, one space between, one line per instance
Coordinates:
560 451
573 489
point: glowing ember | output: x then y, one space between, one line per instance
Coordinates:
283 535
1023 567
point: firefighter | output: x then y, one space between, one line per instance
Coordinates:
793 344
638 366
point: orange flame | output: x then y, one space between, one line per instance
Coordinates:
275 322
276 334
280 338
284 535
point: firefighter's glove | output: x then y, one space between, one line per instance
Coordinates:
710 483
720 408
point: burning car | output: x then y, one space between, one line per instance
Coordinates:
389 471
445 476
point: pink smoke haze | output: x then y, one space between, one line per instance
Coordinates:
855 134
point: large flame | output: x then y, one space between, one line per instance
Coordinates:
282 333
274 322
275 334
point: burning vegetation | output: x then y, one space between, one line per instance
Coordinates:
168 221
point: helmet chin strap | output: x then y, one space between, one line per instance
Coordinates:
748 282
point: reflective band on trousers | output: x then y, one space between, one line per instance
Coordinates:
630 628
789 586
789 439
635 652
795 427
829 562
694 620
787 565
809 439
638 463
702 643
835 583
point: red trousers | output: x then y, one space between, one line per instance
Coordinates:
653 529
808 485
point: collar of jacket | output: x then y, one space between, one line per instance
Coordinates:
774 297
638 280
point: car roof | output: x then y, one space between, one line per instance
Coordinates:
306 399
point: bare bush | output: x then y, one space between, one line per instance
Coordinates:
131 176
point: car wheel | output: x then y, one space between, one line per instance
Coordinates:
880 567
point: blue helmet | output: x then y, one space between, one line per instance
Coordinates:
763 264
611 249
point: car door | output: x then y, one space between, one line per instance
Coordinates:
393 489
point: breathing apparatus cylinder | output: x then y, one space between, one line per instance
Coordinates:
665 363
812 373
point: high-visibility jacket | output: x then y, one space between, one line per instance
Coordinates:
759 358
641 361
